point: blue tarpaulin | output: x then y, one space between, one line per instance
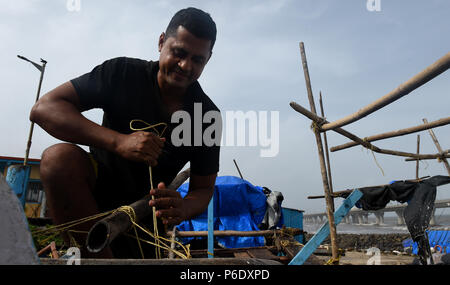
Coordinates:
238 205
440 239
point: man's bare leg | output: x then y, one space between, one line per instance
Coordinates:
68 178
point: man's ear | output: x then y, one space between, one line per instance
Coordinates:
161 40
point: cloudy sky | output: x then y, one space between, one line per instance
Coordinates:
355 56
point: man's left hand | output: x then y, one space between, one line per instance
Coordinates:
168 204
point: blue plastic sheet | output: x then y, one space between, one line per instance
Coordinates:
238 205
439 239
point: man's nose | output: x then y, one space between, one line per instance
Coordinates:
185 64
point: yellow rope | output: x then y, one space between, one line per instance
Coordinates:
154 128
130 212
132 215
333 261
58 229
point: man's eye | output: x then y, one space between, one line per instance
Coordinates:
198 60
178 53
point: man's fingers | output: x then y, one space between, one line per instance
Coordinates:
169 216
164 192
165 203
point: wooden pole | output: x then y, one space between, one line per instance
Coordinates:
366 144
327 154
229 233
445 154
237 167
417 161
328 198
401 132
348 191
418 80
438 146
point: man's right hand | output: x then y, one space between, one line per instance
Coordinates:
140 146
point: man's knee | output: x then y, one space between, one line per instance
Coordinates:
63 158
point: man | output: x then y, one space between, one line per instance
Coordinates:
116 172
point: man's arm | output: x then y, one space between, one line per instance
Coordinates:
173 209
59 113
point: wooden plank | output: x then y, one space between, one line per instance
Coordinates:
176 261
242 254
324 231
403 89
262 253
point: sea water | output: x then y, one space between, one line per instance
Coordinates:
388 227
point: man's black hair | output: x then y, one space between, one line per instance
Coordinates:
196 21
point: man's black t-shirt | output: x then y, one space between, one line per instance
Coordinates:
127 89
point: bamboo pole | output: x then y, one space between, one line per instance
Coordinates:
438 146
445 154
237 167
319 120
348 191
325 140
418 80
417 161
107 229
229 233
401 132
328 199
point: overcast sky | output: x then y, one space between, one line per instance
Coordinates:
355 56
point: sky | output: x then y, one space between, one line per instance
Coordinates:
355 56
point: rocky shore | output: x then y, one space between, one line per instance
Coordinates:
385 242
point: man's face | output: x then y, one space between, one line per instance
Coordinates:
182 58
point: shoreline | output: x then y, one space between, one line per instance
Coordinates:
357 242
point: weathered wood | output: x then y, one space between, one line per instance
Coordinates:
262 253
179 262
329 200
230 233
438 146
325 140
242 254
366 144
401 132
418 152
345 192
228 252
418 80
446 154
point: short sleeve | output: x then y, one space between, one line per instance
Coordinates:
94 88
